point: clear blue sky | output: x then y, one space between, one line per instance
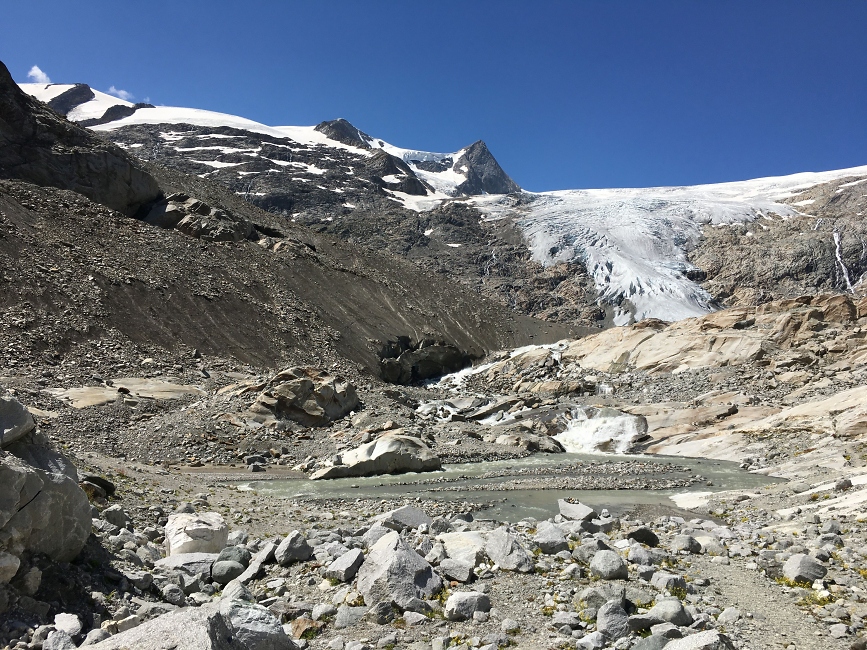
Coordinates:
566 94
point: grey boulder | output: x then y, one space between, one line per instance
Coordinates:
58 523
15 420
293 549
462 605
550 539
612 620
707 640
393 571
671 611
576 511
346 566
608 565
389 454
504 550
404 517
803 569
226 625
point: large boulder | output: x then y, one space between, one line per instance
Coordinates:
15 420
226 625
466 546
204 532
393 571
803 569
404 517
462 605
707 640
608 565
42 507
309 396
390 454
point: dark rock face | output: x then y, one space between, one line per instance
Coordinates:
821 250
484 174
71 98
383 164
344 132
111 114
411 363
38 146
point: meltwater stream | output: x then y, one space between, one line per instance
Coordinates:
494 482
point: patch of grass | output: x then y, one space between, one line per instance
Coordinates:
548 610
309 634
782 580
677 592
814 599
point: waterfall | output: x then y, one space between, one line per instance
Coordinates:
843 268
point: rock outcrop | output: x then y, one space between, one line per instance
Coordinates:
308 396
39 146
199 220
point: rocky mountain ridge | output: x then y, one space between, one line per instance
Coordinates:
585 257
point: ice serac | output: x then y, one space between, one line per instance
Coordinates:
38 146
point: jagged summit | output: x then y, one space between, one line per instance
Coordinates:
431 176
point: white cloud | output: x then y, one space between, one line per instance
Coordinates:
122 94
37 76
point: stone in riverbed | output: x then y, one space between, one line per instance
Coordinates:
456 570
576 511
608 565
612 620
550 539
346 566
389 454
671 611
667 581
466 547
15 420
239 554
707 640
190 563
402 518
8 567
685 543
643 535
653 642
224 571
293 549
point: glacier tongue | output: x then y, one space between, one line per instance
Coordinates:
634 242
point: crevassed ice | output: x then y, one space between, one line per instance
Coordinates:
634 241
